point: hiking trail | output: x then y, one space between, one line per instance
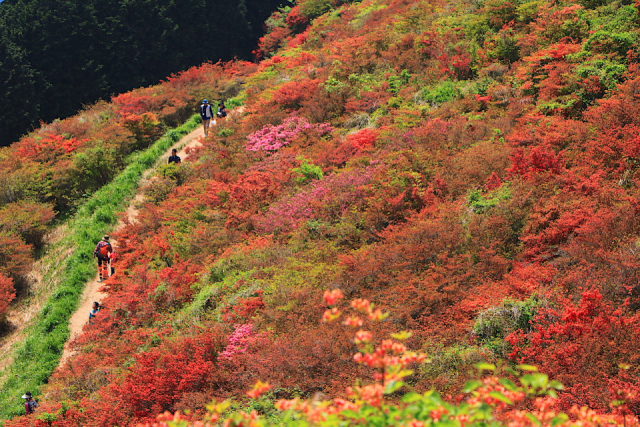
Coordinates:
92 291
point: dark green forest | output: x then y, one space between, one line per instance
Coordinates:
56 56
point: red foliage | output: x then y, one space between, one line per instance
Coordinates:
291 95
362 139
589 339
244 309
367 101
160 378
7 294
528 162
15 255
272 41
133 103
295 20
47 149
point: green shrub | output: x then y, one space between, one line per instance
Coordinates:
495 323
480 202
93 168
528 12
450 362
397 81
177 173
444 92
307 172
159 189
611 43
314 8
225 132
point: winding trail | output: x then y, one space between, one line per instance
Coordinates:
93 289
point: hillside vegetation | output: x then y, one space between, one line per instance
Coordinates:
470 167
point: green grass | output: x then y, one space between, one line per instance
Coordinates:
37 357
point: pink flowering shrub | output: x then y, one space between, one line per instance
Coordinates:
327 199
272 138
238 341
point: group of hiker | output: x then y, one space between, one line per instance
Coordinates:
106 257
104 251
206 113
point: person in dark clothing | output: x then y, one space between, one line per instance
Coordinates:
30 403
222 110
174 158
206 113
94 311
102 252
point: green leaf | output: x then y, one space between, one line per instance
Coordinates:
393 386
530 368
483 366
533 419
411 397
471 386
508 384
501 397
348 413
556 385
402 336
559 419
510 370
540 381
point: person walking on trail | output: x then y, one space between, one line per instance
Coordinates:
112 259
95 308
206 112
174 158
102 252
222 110
30 403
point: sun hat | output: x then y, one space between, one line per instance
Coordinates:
27 395
205 102
106 237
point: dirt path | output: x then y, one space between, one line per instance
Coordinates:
92 291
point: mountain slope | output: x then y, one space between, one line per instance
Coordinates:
470 167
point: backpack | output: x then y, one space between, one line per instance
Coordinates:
203 110
32 405
103 248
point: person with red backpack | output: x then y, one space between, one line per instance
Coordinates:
102 252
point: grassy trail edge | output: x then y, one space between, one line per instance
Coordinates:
38 356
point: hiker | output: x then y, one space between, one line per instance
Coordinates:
174 158
112 259
95 308
30 403
206 112
103 251
222 110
